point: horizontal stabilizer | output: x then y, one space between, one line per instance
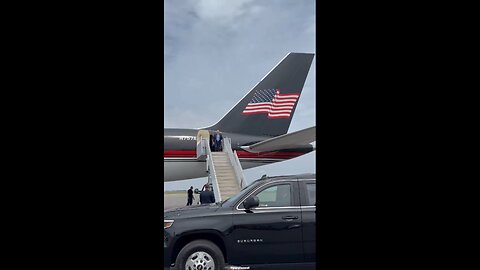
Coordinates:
288 141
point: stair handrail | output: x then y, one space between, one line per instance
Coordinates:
242 181
237 166
212 175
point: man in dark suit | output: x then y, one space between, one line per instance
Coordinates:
207 196
217 137
190 196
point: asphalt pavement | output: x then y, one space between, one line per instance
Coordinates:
177 200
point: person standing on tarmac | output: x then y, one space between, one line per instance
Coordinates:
190 196
207 196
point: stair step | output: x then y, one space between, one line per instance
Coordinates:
225 184
230 192
222 189
228 189
232 189
229 185
227 195
226 179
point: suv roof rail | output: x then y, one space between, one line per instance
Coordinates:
296 176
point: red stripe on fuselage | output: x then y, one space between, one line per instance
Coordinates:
179 153
240 153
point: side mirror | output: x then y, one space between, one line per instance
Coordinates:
251 202
196 191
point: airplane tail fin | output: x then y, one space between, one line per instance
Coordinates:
268 108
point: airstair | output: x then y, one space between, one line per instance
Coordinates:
225 172
225 175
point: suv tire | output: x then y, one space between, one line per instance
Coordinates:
200 253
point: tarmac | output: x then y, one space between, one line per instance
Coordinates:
175 200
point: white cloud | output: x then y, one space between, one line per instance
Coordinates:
222 12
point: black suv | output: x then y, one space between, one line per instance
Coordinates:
270 223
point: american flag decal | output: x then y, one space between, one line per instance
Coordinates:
271 102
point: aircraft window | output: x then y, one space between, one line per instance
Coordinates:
275 196
311 194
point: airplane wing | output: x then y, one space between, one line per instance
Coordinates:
287 141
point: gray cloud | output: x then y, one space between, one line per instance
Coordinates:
216 51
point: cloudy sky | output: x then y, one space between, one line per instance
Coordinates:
215 51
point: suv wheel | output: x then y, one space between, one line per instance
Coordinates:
200 255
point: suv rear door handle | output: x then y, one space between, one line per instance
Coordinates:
289 217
